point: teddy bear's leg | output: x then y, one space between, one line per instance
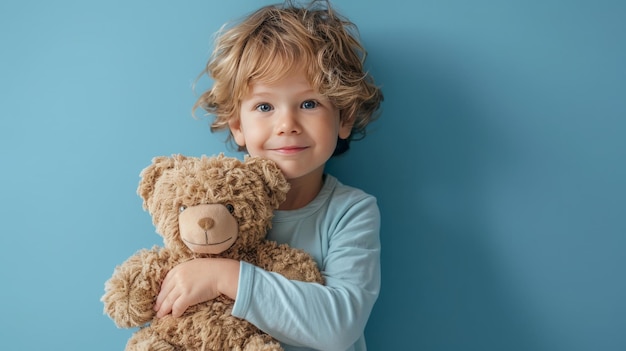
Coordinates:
146 340
262 342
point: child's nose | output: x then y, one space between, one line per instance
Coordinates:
288 122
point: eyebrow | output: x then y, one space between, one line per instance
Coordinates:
268 93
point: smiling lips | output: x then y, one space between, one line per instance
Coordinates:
290 149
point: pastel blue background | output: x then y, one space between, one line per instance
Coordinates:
499 164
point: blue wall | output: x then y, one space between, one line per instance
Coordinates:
499 163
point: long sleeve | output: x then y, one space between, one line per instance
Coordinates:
333 316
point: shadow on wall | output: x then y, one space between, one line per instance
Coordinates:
426 160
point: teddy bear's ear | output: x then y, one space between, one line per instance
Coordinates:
151 174
276 186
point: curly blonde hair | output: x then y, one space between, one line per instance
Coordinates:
266 45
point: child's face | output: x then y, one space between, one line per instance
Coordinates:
290 123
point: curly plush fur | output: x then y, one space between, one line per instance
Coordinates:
193 200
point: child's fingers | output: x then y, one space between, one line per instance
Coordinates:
168 302
179 307
166 290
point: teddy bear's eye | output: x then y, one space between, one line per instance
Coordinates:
230 208
182 208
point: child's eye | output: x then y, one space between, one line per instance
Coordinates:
309 104
263 107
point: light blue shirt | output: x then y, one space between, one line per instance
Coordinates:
340 229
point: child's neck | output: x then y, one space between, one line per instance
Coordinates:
302 192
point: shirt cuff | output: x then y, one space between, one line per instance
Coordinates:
244 289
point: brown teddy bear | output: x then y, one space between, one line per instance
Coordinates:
203 207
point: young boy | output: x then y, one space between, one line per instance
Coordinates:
289 85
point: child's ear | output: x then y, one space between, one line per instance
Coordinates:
345 129
234 124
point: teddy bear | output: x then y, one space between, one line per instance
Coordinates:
208 206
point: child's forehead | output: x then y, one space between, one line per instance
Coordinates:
295 75
293 85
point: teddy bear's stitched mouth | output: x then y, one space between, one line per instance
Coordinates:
207 244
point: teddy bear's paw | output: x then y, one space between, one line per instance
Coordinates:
131 291
145 340
262 343
126 308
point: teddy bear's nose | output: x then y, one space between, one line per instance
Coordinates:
206 223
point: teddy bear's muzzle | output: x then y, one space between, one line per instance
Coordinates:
208 228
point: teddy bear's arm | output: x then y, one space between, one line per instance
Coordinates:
131 292
293 263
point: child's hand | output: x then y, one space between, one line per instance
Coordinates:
196 281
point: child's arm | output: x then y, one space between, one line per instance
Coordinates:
329 317
196 281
